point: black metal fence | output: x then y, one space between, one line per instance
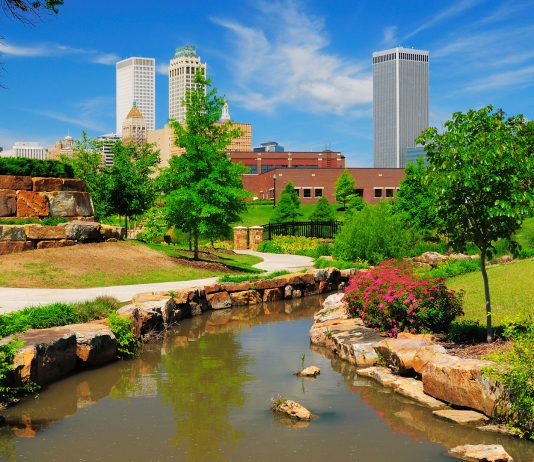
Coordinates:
320 229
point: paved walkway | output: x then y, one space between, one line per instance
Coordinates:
12 299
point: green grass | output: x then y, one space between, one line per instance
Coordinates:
511 291
244 278
260 214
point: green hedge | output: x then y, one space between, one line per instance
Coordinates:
35 167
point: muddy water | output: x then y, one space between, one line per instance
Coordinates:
203 392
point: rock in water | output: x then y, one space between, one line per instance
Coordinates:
481 452
291 409
310 371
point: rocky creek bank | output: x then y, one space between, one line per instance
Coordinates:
46 355
414 366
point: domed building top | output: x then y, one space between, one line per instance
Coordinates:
187 51
134 113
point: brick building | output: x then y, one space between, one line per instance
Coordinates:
373 184
262 162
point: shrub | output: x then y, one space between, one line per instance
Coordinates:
7 355
244 278
466 331
391 297
127 343
515 371
298 245
374 234
154 226
35 167
450 268
339 264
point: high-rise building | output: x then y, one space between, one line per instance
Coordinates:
26 149
63 146
136 83
182 71
134 127
107 142
400 103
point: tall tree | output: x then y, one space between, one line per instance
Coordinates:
286 209
289 188
131 185
86 161
322 211
205 188
481 178
345 185
414 200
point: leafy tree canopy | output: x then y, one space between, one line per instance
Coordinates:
290 189
322 211
285 210
345 185
25 10
481 177
205 190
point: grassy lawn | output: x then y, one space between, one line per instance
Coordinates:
511 290
112 263
260 214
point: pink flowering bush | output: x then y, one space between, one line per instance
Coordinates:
391 297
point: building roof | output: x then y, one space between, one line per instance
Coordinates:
186 51
134 113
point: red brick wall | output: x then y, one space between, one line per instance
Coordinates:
367 179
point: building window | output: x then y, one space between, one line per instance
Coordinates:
389 192
252 169
318 192
306 192
378 192
297 191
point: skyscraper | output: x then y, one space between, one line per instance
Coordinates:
136 83
400 103
182 70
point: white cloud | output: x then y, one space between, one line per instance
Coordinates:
162 69
517 78
52 49
454 9
287 63
389 38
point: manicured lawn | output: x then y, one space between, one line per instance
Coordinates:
511 291
260 214
109 264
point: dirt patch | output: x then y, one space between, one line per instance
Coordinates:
60 267
477 350
209 265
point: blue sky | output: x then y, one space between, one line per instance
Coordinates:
299 71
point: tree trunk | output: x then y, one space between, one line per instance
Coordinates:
126 225
489 330
195 255
190 241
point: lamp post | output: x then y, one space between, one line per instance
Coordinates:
274 190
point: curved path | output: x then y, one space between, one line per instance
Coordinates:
12 299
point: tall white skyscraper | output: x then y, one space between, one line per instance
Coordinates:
182 70
136 83
400 103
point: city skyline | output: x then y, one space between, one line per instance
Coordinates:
303 78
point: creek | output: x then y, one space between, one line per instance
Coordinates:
202 393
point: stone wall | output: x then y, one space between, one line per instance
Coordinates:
26 197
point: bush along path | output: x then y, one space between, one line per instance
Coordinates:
43 344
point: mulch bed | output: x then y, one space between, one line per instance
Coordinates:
203 264
477 350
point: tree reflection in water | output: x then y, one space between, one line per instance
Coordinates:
203 382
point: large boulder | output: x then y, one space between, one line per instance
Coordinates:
7 247
45 355
95 343
54 244
149 316
58 184
425 354
40 232
460 416
12 233
333 308
8 203
461 382
481 452
82 230
32 204
112 232
272 295
219 300
15 182
246 297
399 353
291 409
70 204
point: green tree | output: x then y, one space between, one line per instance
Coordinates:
289 188
481 178
355 204
286 209
27 10
86 161
322 211
414 200
205 188
345 185
131 185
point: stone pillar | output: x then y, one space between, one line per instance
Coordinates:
240 238
256 237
